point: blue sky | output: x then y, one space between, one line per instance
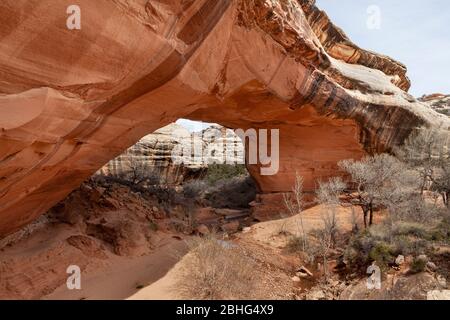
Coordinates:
415 32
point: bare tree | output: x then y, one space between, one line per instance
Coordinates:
328 194
441 182
294 203
380 180
427 152
216 269
323 245
138 171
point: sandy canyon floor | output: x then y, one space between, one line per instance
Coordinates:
127 248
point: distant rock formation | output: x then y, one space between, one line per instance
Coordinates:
154 153
438 102
222 146
157 153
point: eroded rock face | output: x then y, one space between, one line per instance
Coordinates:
438 102
222 146
154 154
71 100
164 154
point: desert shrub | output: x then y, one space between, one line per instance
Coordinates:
384 242
233 193
317 244
295 244
215 269
418 265
225 186
379 181
382 253
328 195
410 229
153 226
415 209
403 245
329 192
194 188
316 249
217 172
428 153
137 170
414 221
319 247
294 204
357 251
441 232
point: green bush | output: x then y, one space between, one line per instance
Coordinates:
383 254
295 244
384 242
418 265
358 249
411 229
153 226
194 188
403 245
233 193
217 172
442 231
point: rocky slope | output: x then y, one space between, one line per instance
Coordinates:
121 237
71 100
95 227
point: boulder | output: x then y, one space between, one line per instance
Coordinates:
231 227
399 287
246 229
316 295
400 260
202 230
431 266
438 295
304 272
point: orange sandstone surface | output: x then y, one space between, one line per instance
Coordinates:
71 100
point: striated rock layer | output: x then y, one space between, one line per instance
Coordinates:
153 155
166 153
71 100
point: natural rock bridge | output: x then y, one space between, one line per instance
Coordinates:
73 99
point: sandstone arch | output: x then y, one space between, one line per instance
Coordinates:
73 99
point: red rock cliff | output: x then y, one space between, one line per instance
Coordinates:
73 99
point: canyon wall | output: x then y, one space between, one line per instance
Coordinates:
153 157
166 156
71 100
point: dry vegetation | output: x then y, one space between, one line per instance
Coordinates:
405 189
215 269
409 190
